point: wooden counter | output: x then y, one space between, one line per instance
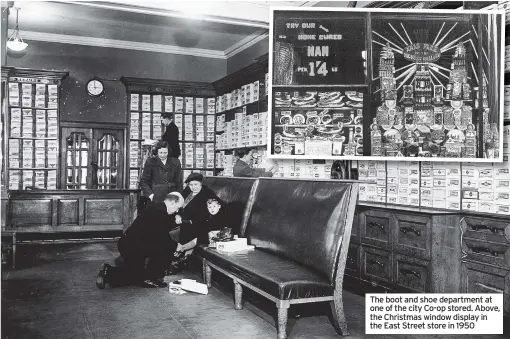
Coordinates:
40 216
412 249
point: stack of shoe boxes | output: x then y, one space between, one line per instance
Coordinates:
453 186
426 181
438 185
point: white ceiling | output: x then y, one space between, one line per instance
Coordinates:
215 29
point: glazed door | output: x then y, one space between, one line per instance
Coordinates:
108 158
92 158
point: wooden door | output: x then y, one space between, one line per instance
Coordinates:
92 158
108 161
76 152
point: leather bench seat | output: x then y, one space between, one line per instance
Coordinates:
283 279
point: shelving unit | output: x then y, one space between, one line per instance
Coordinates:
193 107
241 113
31 128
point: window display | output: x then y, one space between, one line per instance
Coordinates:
399 84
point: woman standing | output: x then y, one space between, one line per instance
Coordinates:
161 175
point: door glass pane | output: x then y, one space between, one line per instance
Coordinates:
77 157
108 148
84 175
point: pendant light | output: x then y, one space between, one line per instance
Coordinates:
15 42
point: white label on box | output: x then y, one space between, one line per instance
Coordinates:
485 185
469 182
453 205
487 196
486 207
392 199
470 205
426 182
470 195
425 202
453 172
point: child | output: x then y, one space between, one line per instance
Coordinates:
215 220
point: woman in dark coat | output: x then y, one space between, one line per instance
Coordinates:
194 209
191 217
161 175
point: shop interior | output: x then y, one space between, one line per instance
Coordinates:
85 86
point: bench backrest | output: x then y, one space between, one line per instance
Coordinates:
236 193
307 221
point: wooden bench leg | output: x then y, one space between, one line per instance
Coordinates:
238 295
337 310
283 314
206 271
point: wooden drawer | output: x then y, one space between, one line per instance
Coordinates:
487 252
494 230
412 234
479 278
352 266
411 275
375 227
376 266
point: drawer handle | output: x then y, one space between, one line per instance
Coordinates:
410 229
406 271
480 249
497 290
486 227
375 224
375 262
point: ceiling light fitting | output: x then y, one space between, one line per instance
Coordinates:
15 42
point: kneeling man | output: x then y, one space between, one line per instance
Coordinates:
147 238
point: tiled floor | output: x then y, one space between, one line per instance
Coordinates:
52 294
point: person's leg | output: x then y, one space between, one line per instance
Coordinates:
160 260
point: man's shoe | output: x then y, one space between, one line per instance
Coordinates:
102 277
154 284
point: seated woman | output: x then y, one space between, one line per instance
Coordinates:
193 214
161 174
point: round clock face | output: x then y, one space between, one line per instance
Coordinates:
95 88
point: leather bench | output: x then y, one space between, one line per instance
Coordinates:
235 193
301 231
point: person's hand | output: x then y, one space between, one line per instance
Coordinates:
151 196
178 220
178 250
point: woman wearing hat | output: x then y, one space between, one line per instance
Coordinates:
193 213
161 174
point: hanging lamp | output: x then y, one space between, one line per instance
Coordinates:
15 42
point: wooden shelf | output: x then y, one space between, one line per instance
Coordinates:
31 107
234 148
35 138
321 86
301 126
156 112
188 141
32 168
338 108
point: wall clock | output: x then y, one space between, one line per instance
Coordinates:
95 87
